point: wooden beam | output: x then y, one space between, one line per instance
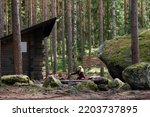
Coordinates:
97 81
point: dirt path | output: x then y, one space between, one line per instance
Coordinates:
35 93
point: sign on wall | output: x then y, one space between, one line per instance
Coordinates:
23 46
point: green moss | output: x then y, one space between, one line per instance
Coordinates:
116 83
118 50
52 82
145 34
137 75
89 85
12 79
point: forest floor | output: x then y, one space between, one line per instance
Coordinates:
37 92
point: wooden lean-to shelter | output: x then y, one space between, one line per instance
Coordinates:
31 48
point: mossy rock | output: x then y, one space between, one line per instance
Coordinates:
88 85
138 76
101 81
30 83
103 87
117 53
12 79
115 84
52 82
126 86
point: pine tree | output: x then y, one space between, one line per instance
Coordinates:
74 45
63 35
81 31
101 35
1 27
125 16
69 36
134 32
142 13
54 36
26 13
16 37
114 18
89 31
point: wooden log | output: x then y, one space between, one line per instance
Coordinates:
97 81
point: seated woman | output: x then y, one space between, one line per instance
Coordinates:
80 73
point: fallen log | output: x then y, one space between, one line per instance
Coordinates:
96 80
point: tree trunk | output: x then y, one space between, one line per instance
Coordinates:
114 18
81 31
134 32
1 28
20 10
107 19
34 5
142 13
74 47
63 36
6 16
89 30
69 36
16 37
10 17
44 14
101 35
54 36
30 13
125 16
26 13
129 18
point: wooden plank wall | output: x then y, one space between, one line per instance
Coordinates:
32 59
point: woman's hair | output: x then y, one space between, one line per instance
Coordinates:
80 68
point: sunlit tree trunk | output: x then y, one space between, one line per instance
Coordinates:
134 32
16 37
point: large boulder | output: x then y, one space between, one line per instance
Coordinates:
13 79
116 53
52 82
138 76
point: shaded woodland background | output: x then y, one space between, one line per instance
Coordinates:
77 32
